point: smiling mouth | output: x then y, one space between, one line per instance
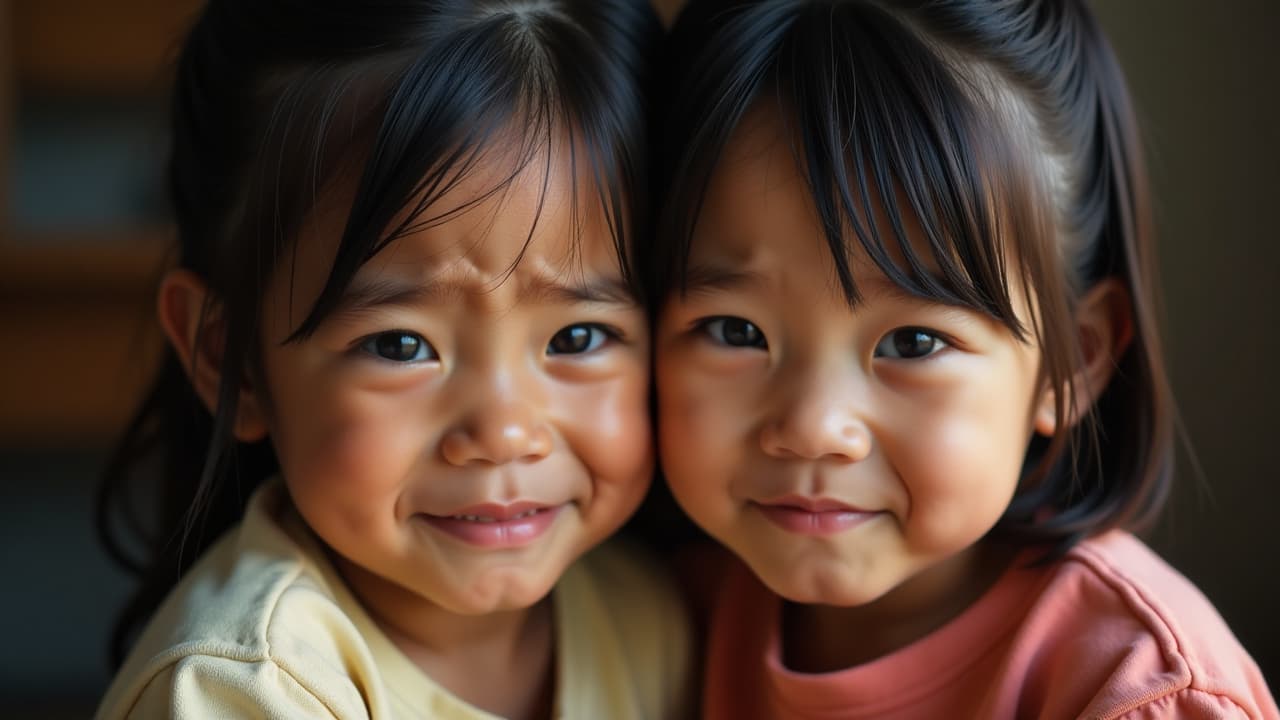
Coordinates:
496 527
492 519
813 516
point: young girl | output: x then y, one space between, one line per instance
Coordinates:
405 298
908 372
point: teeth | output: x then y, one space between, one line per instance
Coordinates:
490 519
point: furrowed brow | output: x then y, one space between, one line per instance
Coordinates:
604 290
882 287
709 278
365 296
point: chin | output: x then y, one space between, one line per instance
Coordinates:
834 586
498 594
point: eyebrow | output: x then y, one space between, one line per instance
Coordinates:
709 278
603 290
365 296
880 286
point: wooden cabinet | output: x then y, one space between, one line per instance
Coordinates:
83 228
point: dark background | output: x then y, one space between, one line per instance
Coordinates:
83 235
1205 78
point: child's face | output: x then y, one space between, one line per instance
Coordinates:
840 452
473 418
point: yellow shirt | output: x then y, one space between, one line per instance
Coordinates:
263 626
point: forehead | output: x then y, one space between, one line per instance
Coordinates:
755 193
510 216
759 211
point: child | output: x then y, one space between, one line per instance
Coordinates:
907 368
406 299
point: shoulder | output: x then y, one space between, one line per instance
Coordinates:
628 590
625 606
1121 631
254 621
209 686
702 571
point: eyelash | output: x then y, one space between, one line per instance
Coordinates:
369 346
611 334
370 343
938 341
708 325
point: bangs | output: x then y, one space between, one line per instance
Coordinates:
508 88
901 160
980 155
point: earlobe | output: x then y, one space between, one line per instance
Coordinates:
194 327
251 424
1104 324
1045 417
1104 329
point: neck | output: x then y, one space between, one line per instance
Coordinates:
824 638
463 652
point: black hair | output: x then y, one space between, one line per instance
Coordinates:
998 125
274 100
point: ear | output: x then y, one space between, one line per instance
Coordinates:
1104 329
195 328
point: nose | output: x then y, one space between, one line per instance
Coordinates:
819 421
500 428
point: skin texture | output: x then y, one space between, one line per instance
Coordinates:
926 450
909 417
523 378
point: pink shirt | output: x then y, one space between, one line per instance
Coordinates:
1109 631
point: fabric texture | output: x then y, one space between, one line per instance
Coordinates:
263 626
1110 631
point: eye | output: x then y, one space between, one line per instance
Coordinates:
909 344
399 346
578 339
735 332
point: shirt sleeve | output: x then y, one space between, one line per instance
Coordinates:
202 686
656 631
677 658
1192 704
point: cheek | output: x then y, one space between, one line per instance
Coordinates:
700 430
607 426
960 462
333 438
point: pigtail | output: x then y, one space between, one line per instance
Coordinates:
1135 415
1114 467
162 498
156 508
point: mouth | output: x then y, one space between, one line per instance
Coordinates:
813 516
492 519
496 526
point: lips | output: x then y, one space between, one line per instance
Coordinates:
813 516
493 512
494 526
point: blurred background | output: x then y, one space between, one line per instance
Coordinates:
83 237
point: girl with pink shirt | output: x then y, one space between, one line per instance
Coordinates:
909 373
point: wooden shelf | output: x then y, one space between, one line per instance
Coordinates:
77 324
78 336
73 368
85 264
93 47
